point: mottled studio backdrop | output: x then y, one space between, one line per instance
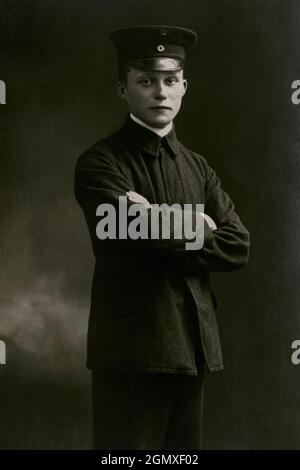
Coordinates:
60 73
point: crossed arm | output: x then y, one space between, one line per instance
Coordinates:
98 179
139 199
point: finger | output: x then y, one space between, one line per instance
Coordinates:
134 198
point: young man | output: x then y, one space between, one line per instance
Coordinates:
152 324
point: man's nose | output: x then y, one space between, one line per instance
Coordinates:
160 92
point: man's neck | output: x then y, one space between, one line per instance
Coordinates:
160 132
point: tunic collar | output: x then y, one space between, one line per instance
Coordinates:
149 141
160 132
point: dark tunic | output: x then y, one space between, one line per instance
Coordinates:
152 305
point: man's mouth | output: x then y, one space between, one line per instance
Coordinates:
160 107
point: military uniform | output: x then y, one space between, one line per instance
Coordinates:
152 309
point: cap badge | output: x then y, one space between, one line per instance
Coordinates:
160 48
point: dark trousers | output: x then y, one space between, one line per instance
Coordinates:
147 411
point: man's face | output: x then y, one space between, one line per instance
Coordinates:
154 97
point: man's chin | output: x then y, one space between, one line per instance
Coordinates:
159 123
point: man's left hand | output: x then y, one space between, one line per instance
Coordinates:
138 198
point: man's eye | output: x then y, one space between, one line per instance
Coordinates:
146 82
172 80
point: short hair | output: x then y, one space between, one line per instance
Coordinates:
123 69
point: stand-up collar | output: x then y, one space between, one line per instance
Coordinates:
149 141
161 132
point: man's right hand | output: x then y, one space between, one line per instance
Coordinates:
209 220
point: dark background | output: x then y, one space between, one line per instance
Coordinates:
60 73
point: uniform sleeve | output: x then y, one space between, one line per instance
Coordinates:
100 180
228 247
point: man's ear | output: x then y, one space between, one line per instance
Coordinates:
121 90
185 84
